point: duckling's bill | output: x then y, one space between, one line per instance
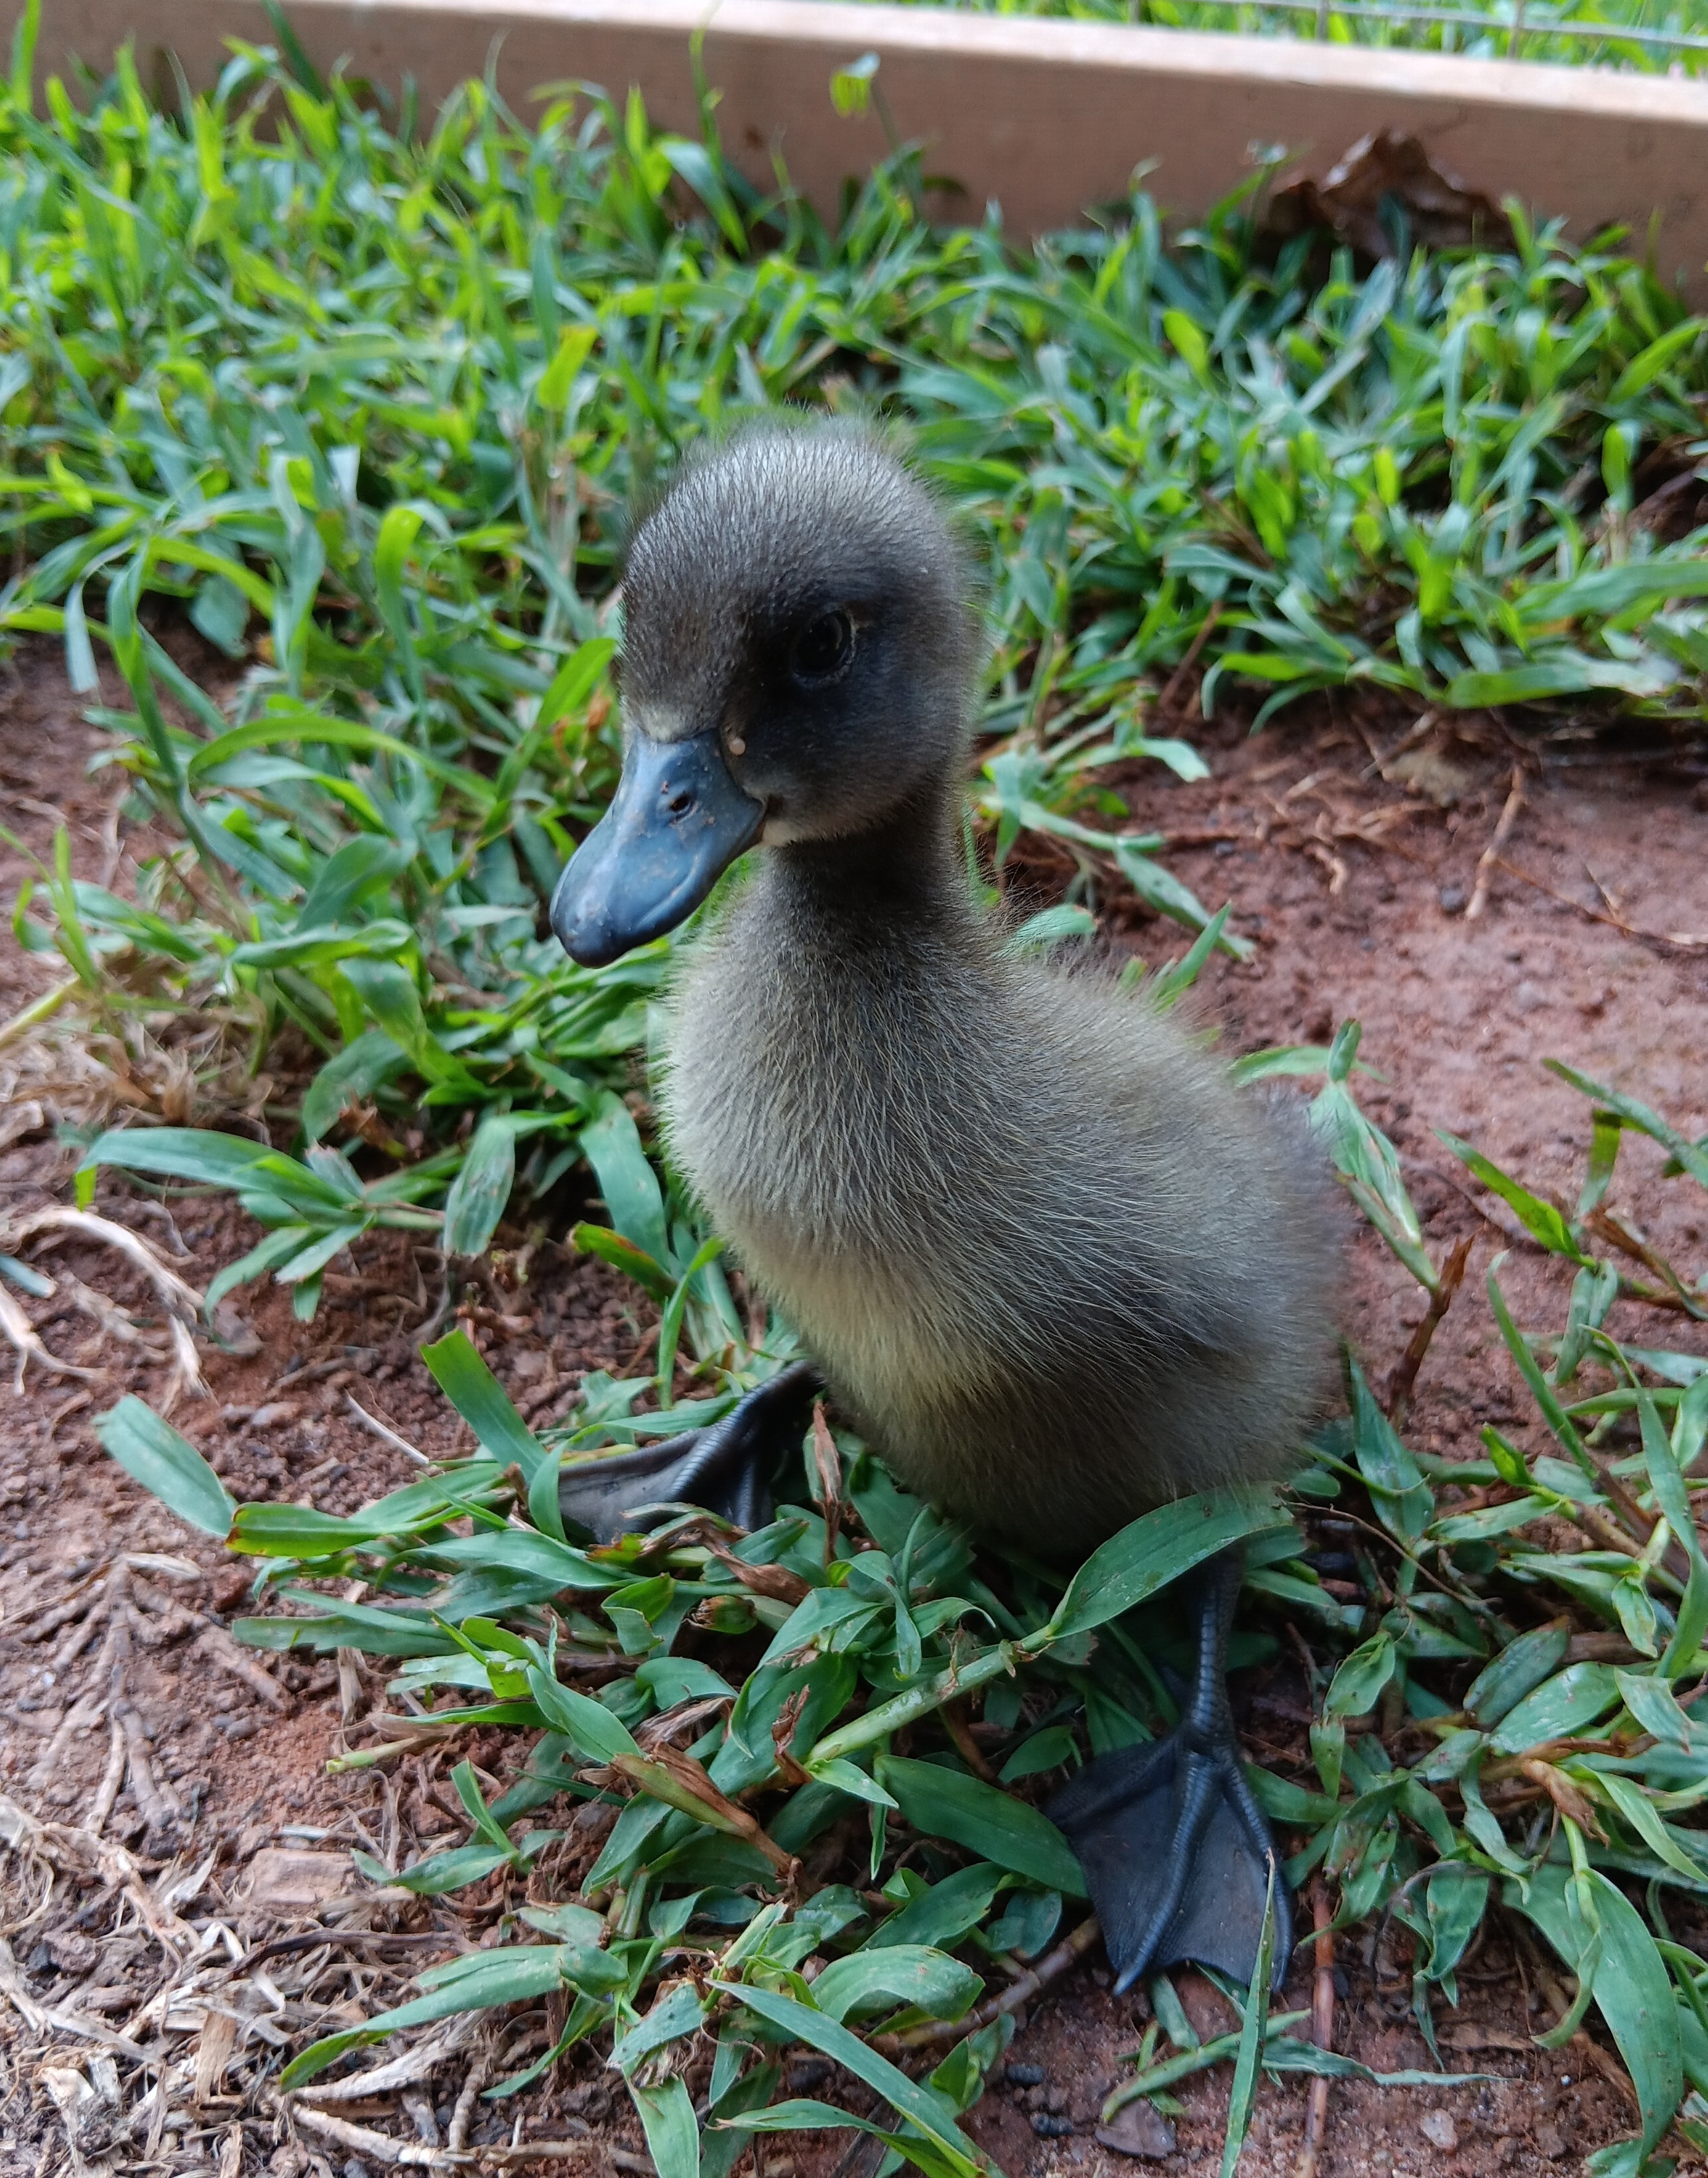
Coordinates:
676 822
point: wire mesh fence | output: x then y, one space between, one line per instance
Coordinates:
1639 36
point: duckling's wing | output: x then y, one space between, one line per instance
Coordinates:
725 1468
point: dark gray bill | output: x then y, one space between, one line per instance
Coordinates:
677 822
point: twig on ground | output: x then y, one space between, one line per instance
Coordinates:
180 1299
558 2151
62 1413
462 2113
1321 2028
1678 941
442 1307
175 1294
361 2140
106 1314
405 2071
169 1568
62 1614
1401 1383
215 2047
37 2016
18 1329
1491 854
97 1613
1420 727
77 1719
1051 1968
955 1723
156 1801
107 1791
1589 2051
1619 1235
332 1939
214 1644
375 1427
1176 680
353 1695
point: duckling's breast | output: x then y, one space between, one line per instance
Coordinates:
1057 1269
808 1102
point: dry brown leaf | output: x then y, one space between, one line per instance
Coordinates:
690 1776
218 2039
827 1460
1566 1797
1385 168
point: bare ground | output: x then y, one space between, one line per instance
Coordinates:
1355 886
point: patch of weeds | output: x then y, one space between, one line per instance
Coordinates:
370 409
1502 1720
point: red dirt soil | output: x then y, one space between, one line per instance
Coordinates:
1353 887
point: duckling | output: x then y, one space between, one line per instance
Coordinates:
1054 1266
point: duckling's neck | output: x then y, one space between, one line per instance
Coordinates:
836 1044
903 882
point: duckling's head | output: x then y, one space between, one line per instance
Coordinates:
797 655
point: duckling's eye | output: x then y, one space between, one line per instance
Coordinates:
823 648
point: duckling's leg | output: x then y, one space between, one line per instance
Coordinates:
725 1468
1174 1849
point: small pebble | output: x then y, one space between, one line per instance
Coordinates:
1139 2129
230 1587
274 1416
1439 2129
1051 2128
1452 898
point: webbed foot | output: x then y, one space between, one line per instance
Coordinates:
1174 1849
725 1468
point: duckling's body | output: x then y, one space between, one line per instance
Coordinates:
1057 1268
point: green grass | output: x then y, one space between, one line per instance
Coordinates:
370 408
1602 34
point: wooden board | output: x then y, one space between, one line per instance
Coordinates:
1043 117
